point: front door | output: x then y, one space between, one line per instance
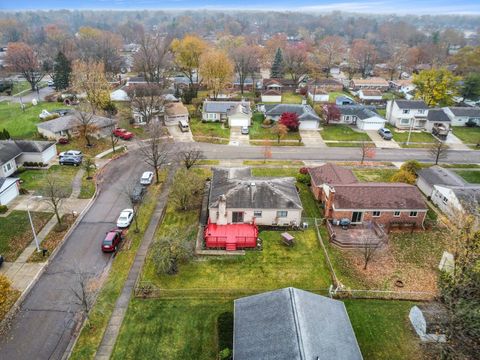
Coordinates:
237 217
357 216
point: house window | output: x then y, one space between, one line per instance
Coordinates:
7 167
444 200
282 214
420 111
413 214
404 121
396 213
405 111
257 214
347 117
376 214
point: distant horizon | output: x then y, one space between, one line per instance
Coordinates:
372 7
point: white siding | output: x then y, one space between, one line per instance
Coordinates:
8 168
269 216
373 123
271 98
424 187
9 194
308 125
239 120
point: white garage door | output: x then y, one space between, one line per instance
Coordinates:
8 195
362 125
308 125
239 122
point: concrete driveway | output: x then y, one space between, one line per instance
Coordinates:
455 143
312 138
237 138
179 136
380 142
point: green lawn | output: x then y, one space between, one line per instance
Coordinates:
375 175
346 144
34 180
470 176
16 232
467 135
289 98
333 95
274 162
415 137
88 188
257 132
343 133
20 86
98 146
21 125
201 131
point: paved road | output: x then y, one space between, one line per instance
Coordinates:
42 328
28 97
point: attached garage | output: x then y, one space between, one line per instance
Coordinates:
308 125
8 190
239 116
372 123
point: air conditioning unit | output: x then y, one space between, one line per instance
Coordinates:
304 225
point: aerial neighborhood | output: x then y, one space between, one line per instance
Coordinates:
236 185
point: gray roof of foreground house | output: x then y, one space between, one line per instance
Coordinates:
68 122
465 111
304 112
242 191
469 197
437 115
360 111
411 104
10 149
437 175
292 324
224 106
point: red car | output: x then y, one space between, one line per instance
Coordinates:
123 134
63 141
112 240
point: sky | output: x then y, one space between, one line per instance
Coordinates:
420 7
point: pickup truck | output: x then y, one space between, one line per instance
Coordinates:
122 134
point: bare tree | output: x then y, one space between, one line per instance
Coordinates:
146 100
83 291
153 57
367 150
331 50
24 59
54 193
85 123
369 248
438 151
267 150
113 139
154 150
127 191
190 156
246 60
89 165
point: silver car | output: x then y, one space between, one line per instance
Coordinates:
385 133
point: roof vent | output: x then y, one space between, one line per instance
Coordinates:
252 184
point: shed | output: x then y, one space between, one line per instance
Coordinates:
272 96
428 321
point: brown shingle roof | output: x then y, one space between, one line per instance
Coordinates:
271 92
332 174
378 196
175 109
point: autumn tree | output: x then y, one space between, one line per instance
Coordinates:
89 77
295 61
436 87
331 113
397 59
188 190
467 60
62 70
471 86
438 151
367 151
331 50
24 59
277 70
172 249
279 130
246 60
267 150
403 176
187 53
364 55
290 120
216 70
153 58
146 100
154 151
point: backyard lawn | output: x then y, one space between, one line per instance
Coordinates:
470 176
289 98
208 131
415 137
469 135
187 329
333 95
35 180
16 232
257 132
375 175
343 133
21 124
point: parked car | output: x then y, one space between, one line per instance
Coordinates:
125 218
122 134
385 133
244 130
70 160
146 178
63 141
77 153
183 125
45 114
137 193
50 83
112 240
62 112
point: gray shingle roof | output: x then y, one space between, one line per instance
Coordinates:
8 151
223 106
465 111
34 146
304 112
292 324
437 115
360 111
469 197
437 175
68 122
246 192
411 104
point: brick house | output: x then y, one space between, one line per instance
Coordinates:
343 196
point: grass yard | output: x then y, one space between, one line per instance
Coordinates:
16 232
375 175
416 137
274 162
257 132
99 146
333 95
346 144
22 124
208 162
34 180
207 131
91 336
467 135
470 176
88 187
20 86
343 133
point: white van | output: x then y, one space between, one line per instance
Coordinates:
183 125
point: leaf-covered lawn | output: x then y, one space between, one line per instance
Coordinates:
257 132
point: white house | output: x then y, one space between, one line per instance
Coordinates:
271 96
405 86
309 120
317 95
8 189
460 116
13 153
238 197
406 114
364 117
174 113
370 96
235 113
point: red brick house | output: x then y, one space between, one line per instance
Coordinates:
343 196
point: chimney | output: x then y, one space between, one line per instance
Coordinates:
253 190
222 210
329 202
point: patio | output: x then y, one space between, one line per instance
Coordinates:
357 236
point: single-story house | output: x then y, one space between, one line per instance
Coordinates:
460 116
279 84
271 96
429 321
364 117
248 83
308 118
317 94
383 203
237 197
326 84
67 126
371 96
175 112
405 86
136 80
13 153
292 324
8 189
373 83
344 100
235 113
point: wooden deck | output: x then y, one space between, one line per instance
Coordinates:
357 236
